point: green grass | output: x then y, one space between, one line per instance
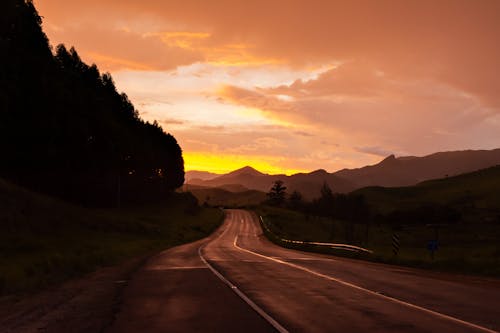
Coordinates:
464 248
44 241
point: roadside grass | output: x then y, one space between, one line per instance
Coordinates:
44 241
463 248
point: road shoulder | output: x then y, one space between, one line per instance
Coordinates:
86 304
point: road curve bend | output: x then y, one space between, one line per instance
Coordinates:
237 281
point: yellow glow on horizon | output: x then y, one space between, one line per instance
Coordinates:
216 163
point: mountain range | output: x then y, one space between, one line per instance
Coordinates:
390 172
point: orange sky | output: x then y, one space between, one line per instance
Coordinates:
292 86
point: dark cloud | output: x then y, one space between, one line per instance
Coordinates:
171 121
306 134
216 128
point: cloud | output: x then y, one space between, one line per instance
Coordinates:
451 41
353 78
355 104
301 133
252 98
218 128
116 49
370 76
172 121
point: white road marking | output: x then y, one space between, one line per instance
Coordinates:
238 292
348 284
311 259
166 268
233 260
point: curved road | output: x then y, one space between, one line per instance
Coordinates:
237 281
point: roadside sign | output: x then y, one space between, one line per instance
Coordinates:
395 244
432 246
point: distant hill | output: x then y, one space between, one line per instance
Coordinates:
474 194
244 172
216 196
410 170
309 184
199 175
227 187
234 188
390 172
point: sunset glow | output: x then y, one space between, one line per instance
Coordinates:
226 163
297 86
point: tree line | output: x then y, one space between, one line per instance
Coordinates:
350 207
353 209
66 130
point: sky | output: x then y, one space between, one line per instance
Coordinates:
294 86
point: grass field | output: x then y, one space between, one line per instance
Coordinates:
463 248
44 241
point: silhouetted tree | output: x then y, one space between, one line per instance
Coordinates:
65 129
192 206
277 194
295 201
350 209
324 204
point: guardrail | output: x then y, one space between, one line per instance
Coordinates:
339 246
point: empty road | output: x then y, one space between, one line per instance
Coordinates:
237 281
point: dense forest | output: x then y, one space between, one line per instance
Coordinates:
64 128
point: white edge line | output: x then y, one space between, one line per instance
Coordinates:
238 292
392 299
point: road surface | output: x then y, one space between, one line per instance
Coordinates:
237 281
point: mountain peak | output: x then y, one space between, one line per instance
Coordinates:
389 158
319 172
246 170
199 175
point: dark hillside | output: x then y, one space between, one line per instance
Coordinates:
308 184
459 215
410 170
474 195
224 197
390 172
44 240
66 131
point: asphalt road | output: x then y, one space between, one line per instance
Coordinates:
237 281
